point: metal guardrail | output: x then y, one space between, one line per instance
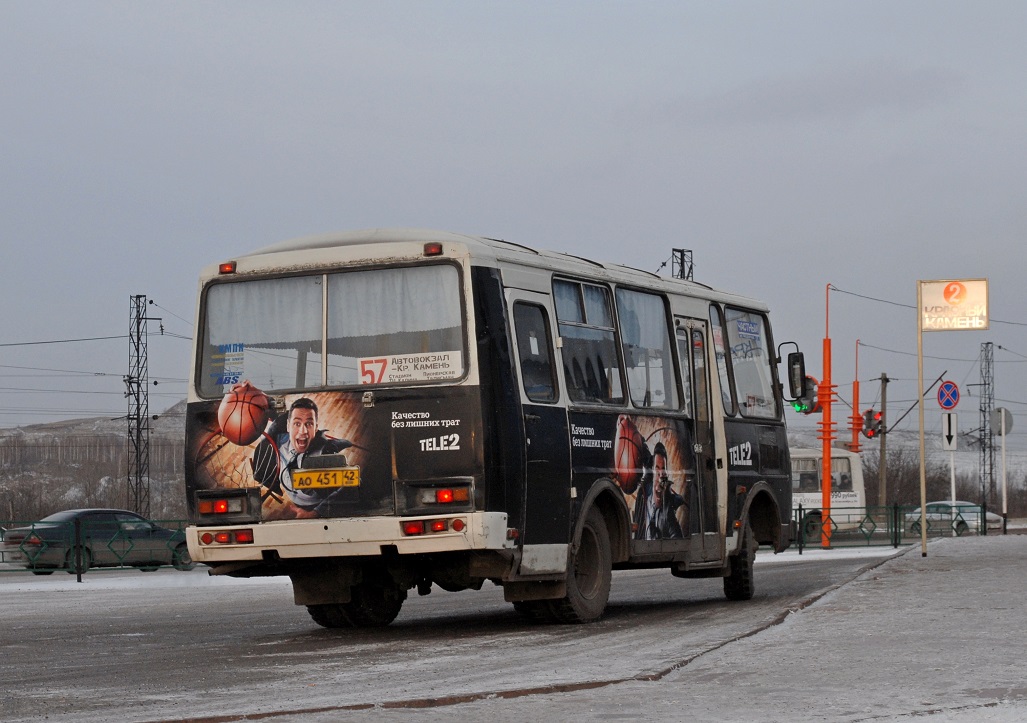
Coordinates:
893 525
76 547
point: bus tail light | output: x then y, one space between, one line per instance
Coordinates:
227 537
445 496
413 528
227 506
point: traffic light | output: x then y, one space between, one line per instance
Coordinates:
873 423
807 402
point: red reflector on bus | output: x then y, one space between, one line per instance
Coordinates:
432 248
458 525
439 525
227 267
414 527
206 538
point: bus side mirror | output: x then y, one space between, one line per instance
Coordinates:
796 374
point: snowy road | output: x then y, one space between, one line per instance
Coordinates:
170 645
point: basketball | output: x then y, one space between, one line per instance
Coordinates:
627 455
243 414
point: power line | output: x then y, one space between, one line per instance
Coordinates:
911 306
63 341
154 303
89 338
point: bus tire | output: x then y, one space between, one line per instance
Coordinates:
589 574
374 603
329 616
812 525
740 584
535 610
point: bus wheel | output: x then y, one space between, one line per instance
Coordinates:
375 602
740 584
535 610
811 527
329 616
588 575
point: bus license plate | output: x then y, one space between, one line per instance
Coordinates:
309 479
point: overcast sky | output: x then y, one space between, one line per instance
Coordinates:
789 145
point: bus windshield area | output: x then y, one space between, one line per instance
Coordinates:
375 326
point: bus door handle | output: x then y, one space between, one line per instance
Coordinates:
532 418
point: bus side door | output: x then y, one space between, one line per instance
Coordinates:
547 503
695 375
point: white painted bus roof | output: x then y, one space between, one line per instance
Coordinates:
498 250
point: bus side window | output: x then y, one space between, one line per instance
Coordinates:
841 474
717 330
645 340
534 345
585 323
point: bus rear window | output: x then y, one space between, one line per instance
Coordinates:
398 325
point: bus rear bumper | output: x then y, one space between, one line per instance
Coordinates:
348 537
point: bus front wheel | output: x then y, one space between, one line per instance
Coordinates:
740 584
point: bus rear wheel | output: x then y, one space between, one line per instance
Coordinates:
374 603
589 575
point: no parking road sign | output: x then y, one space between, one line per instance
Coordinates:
948 395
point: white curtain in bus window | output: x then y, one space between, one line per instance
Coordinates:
395 325
585 321
266 331
805 477
750 361
648 364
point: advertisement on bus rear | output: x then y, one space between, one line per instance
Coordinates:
331 454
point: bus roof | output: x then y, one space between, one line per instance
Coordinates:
497 251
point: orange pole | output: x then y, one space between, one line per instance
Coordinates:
824 397
857 419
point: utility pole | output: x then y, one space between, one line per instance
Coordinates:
987 458
882 465
137 392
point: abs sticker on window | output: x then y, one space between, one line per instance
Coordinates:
227 364
411 367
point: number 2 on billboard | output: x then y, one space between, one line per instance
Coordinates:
372 370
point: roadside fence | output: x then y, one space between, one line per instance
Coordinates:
893 525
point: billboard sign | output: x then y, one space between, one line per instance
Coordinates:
954 305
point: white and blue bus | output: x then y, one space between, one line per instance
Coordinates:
449 410
848 492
